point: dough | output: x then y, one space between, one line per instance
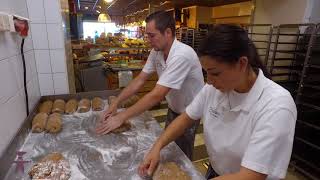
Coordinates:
58 106
84 105
54 123
39 122
53 166
46 107
111 99
55 157
170 171
130 101
71 106
97 104
124 127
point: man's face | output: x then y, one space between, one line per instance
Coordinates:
157 40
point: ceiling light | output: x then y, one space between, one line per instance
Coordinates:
104 18
108 1
98 11
86 7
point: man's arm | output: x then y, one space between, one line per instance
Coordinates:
134 86
146 102
149 100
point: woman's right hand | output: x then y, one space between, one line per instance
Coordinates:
150 162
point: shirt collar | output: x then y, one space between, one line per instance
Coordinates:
172 49
254 94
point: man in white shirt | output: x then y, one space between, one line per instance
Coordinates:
180 79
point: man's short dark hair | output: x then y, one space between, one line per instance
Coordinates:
163 20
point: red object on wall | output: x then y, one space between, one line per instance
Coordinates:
21 27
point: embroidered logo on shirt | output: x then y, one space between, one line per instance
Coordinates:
214 113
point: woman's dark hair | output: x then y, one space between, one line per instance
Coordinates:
227 43
163 20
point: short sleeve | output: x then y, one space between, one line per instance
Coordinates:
195 110
175 73
150 67
270 146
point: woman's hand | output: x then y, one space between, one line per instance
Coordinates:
150 162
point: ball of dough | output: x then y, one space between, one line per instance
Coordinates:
58 106
97 104
39 122
54 123
124 127
46 107
170 171
84 105
71 106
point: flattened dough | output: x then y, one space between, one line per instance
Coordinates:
46 107
84 105
58 106
170 171
54 123
71 106
124 127
97 104
39 122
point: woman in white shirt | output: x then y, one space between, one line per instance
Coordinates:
248 120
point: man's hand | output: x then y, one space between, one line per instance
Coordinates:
112 110
111 123
150 162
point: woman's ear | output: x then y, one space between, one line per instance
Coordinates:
243 63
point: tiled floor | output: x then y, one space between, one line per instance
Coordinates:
199 161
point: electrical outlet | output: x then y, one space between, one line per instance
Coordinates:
4 22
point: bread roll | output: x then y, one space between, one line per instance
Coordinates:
97 104
39 122
111 99
84 105
71 106
54 123
58 106
46 107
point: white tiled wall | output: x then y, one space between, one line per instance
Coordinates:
12 97
49 44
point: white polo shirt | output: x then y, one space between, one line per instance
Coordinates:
181 72
254 130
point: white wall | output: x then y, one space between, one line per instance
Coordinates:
12 99
280 11
46 57
47 28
